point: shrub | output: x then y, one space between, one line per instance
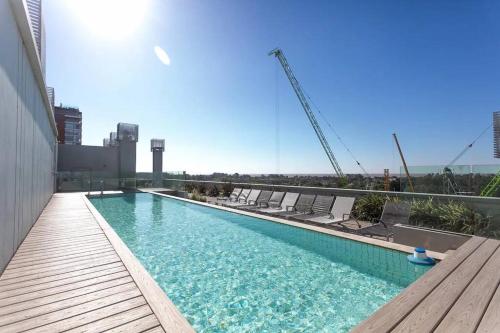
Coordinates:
213 191
227 189
198 197
201 188
451 216
189 187
369 207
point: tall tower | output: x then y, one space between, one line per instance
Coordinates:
157 147
128 135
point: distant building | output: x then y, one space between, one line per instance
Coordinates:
37 25
52 96
69 125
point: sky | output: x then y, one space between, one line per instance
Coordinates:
427 70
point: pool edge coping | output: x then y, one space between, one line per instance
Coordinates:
169 316
366 240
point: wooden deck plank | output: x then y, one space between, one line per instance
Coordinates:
66 303
467 312
81 265
52 278
40 257
91 316
41 252
387 317
427 315
58 266
62 296
39 263
81 314
155 330
138 325
490 322
78 278
59 289
114 320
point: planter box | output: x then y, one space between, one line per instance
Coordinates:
431 239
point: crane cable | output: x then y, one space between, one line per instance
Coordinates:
337 135
468 146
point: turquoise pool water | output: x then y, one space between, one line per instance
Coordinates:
232 273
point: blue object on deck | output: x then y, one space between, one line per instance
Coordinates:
419 257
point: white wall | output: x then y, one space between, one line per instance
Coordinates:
27 137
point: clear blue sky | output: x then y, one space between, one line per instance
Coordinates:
428 70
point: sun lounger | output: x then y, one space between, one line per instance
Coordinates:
320 207
263 199
247 201
341 212
275 200
286 204
232 197
241 198
303 205
393 213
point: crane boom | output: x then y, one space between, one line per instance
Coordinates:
298 91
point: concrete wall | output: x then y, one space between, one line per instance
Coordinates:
101 161
27 131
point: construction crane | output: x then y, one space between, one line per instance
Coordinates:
492 187
410 181
302 98
449 181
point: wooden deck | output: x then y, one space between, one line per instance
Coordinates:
460 294
71 274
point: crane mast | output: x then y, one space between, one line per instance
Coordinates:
298 91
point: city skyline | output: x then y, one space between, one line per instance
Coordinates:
417 70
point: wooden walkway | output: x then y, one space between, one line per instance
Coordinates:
460 294
70 275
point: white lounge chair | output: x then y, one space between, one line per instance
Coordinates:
260 202
393 213
341 212
287 203
302 206
232 197
241 198
320 207
245 201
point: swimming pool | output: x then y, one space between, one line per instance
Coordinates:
234 273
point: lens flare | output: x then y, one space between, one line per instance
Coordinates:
162 55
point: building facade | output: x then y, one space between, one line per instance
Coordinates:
38 28
28 135
69 125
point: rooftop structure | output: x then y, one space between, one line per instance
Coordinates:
69 125
157 147
113 139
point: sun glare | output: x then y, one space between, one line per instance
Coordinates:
162 55
114 19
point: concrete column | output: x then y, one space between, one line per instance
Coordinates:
128 135
157 147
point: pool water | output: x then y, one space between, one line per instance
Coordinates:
228 272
